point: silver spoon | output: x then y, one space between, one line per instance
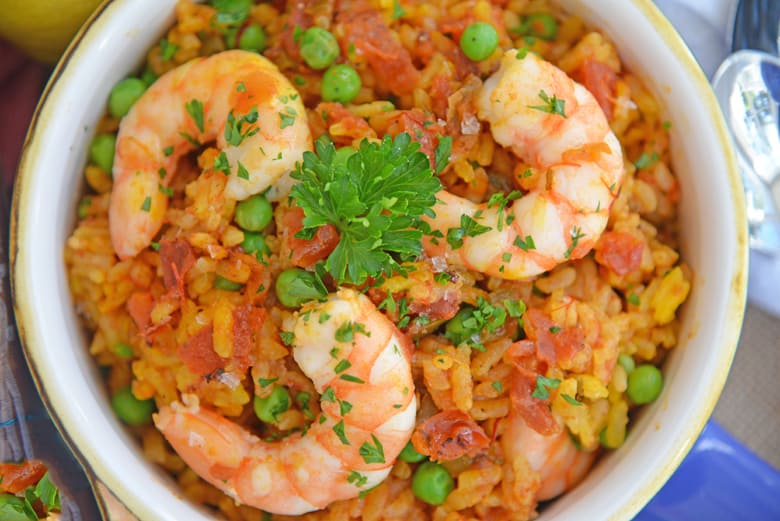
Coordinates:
747 85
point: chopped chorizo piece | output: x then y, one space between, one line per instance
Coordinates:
421 127
599 78
247 320
621 252
305 252
176 259
140 305
366 32
534 411
448 435
198 353
554 344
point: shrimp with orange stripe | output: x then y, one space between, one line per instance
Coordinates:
360 364
238 98
556 126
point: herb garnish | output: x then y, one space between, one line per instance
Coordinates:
375 201
543 386
551 105
195 110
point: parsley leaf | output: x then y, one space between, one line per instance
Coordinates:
195 110
543 386
235 131
442 153
551 105
374 200
468 228
372 453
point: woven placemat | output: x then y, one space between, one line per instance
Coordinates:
749 407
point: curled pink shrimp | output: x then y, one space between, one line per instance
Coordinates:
360 364
556 126
238 98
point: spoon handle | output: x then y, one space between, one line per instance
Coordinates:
756 26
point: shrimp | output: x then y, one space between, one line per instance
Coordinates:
238 98
360 364
557 127
554 459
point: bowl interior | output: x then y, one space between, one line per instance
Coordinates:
712 219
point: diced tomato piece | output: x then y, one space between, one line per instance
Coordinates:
247 320
448 435
621 252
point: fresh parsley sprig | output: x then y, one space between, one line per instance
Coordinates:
375 199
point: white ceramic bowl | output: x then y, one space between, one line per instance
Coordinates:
714 243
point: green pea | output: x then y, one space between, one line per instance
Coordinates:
254 214
14 508
101 151
319 48
296 286
432 483
124 95
540 25
645 384
479 41
255 243
253 39
340 83
627 362
226 284
130 409
410 455
123 350
455 330
270 407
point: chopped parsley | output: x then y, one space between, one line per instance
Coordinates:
342 366
288 337
571 400
168 151
357 479
146 206
497 386
468 228
328 395
339 430
287 118
346 331
551 105
243 173
350 378
165 190
543 386
525 245
372 453
646 160
514 308
576 235
375 202
195 110
398 10
501 201
265 382
167 49
633 298
236 128
555 329
344 407
240 87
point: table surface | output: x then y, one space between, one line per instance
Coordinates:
749 407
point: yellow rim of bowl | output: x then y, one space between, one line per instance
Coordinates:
737 295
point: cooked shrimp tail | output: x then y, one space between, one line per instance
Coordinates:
237 98
360 364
